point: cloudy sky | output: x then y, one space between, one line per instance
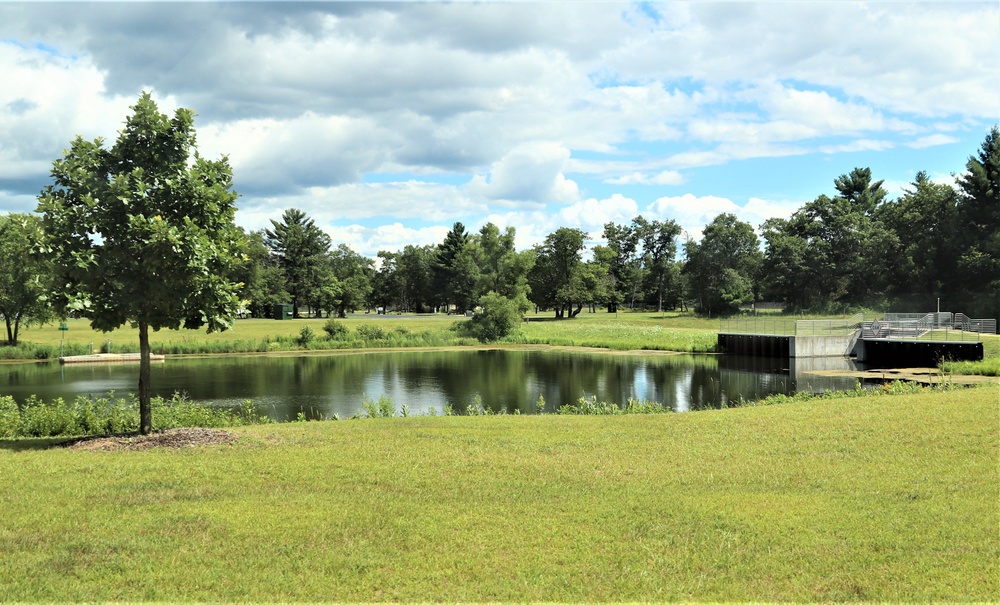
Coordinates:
388 122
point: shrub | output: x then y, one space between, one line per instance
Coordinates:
370 332
500 316
10 418
383 408
306 336
335 330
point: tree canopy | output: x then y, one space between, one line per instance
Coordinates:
25 274
301 247
142 232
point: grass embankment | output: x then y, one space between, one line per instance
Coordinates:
874 498
247 336
624 331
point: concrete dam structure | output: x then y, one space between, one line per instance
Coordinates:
897 340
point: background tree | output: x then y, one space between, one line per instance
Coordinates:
978 272
455 271
301 247
387 284
623 263
659 250
143 233
25 274
502 269
261 276
416 269
556 280
354 274
723 267
924 224
833 253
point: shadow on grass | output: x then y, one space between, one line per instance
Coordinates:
36 444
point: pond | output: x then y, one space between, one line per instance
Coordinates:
321 386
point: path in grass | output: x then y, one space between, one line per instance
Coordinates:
887 499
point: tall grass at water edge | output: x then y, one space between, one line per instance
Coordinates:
85 416
987 367
112 415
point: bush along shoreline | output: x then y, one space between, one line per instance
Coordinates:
114 415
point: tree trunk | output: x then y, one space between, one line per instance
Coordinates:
10 334
145 410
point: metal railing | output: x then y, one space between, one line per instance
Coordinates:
983 326
758 325
791 327
828 327
941 326
931 326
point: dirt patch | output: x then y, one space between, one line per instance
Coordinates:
172 438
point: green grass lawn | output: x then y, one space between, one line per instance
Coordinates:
889 498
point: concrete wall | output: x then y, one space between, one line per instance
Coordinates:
786 346
820 346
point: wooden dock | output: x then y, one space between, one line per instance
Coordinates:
109 358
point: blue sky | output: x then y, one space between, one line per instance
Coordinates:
388 122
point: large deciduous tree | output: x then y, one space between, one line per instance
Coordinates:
557 278
502 269
301 247
659 249
142 233
354 274
25 274
723 267
624 265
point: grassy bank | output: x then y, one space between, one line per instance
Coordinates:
624 331
887 499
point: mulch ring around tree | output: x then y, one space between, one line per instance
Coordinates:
171 438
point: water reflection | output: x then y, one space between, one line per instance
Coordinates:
321 386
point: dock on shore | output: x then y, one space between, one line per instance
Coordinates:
109 358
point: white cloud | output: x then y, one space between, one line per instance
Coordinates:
529 173
932 140
591 215
858 145
412 200
665 177
368 241
537 114
692 212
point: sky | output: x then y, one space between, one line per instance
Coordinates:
388 122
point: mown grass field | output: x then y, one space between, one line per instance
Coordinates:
889 498
623 331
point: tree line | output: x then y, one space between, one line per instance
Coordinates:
855 248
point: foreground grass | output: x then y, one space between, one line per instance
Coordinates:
888 499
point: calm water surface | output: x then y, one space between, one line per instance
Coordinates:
321 386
